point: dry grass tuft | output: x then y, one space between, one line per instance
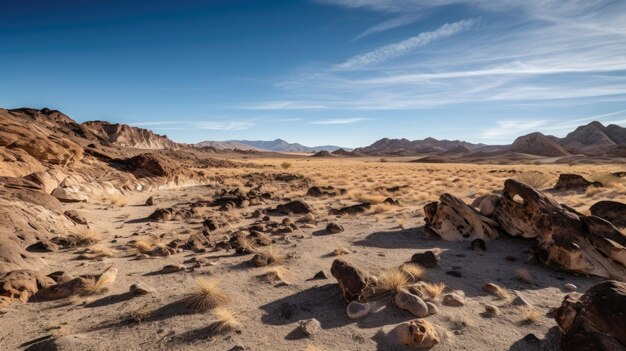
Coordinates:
434 289
225 320
100 251
535 179
285 165
274 255
117 200
415 271
95 286
361 196
246 243
523 276
501 293
139 315
530 315
85 238
393 279
208 295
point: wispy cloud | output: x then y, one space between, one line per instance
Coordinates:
152 123
207 125
534 52
282 105
507 129
339 121
404 47
223 125
395 22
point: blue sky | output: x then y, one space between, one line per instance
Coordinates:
344 72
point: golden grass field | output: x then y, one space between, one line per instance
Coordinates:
366 179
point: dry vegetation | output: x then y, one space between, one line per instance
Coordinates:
393 279
367 180
207 296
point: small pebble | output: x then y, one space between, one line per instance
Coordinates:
570 287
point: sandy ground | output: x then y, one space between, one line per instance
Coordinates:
269 313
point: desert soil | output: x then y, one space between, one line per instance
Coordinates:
269 312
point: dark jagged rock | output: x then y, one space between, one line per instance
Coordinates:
293 207
354 282
426 259
574 182
596 321
612 211
565 239
351 210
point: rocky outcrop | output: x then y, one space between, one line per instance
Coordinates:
124 135
596 321
29 142
538 144
565 239
574 182
453 220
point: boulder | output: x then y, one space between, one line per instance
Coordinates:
354 282
453 220
334 228
22 284
418 333
350 210
357 309
596 321
612 211
575 182
293 207
454 299
412 303
69 194
426 259
76 217
566 240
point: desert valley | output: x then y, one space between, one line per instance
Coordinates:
116 238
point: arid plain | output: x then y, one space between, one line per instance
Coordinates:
186 248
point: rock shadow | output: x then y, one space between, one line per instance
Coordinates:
325 304
110 300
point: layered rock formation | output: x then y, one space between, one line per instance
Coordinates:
48 158
126 136
565 239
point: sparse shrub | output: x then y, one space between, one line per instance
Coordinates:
84 238
207 296
285 165
415 271
393 279
225 320
434 289
95 286
530 315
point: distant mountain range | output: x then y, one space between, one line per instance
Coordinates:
278 145
593 139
